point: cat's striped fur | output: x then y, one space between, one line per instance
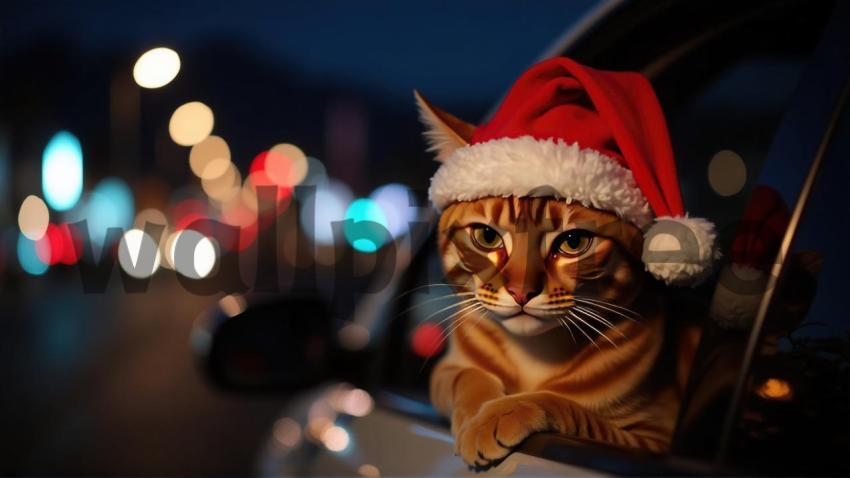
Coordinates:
551 342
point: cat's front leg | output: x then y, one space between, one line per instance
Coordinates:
503 423
459 391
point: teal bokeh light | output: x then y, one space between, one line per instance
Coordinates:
366 225
109 205
28 257
62 171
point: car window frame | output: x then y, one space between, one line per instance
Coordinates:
806 103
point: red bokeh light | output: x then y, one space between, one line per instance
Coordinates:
246 219
247 236
51 248
72 244
427 340
257 175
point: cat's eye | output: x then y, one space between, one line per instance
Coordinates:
574 243
486 238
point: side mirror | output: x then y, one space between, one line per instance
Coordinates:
284 345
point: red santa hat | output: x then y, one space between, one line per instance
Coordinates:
591 136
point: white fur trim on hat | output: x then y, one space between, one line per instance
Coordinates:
527 166
737 296
680 250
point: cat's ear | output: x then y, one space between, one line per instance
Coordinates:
445 132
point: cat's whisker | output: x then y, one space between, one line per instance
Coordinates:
594 329
599 316
436 284
574 316
455 313
611 307
566 326
436 299
456 304
605 310
594 316
453 327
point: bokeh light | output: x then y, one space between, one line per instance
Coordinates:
258 175
149 216
353 336
286 165
369 471
233 304
72 244
51 247
134 243
328 205
156 68
237 213
28 256
727 173
109 205
191 123
775 389
427 340
33 217
368 231
356 402
62 171
223 187
167 249
398 205
210 158
287 432
195 262
335 438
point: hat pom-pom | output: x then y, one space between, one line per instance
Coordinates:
680 250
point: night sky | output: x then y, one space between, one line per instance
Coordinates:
455 49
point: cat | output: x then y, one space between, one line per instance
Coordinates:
561 329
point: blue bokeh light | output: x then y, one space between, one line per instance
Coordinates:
28 257
62 171
109 205
365 236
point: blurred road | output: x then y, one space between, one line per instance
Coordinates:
106 384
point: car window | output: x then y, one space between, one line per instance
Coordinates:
798 398
759 436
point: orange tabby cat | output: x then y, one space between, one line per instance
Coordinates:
547 208
562 329
567 334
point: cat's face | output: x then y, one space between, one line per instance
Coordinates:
534 262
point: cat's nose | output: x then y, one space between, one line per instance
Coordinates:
522 295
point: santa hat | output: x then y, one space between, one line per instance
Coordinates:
743 281
595 137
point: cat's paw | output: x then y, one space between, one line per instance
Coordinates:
498 427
